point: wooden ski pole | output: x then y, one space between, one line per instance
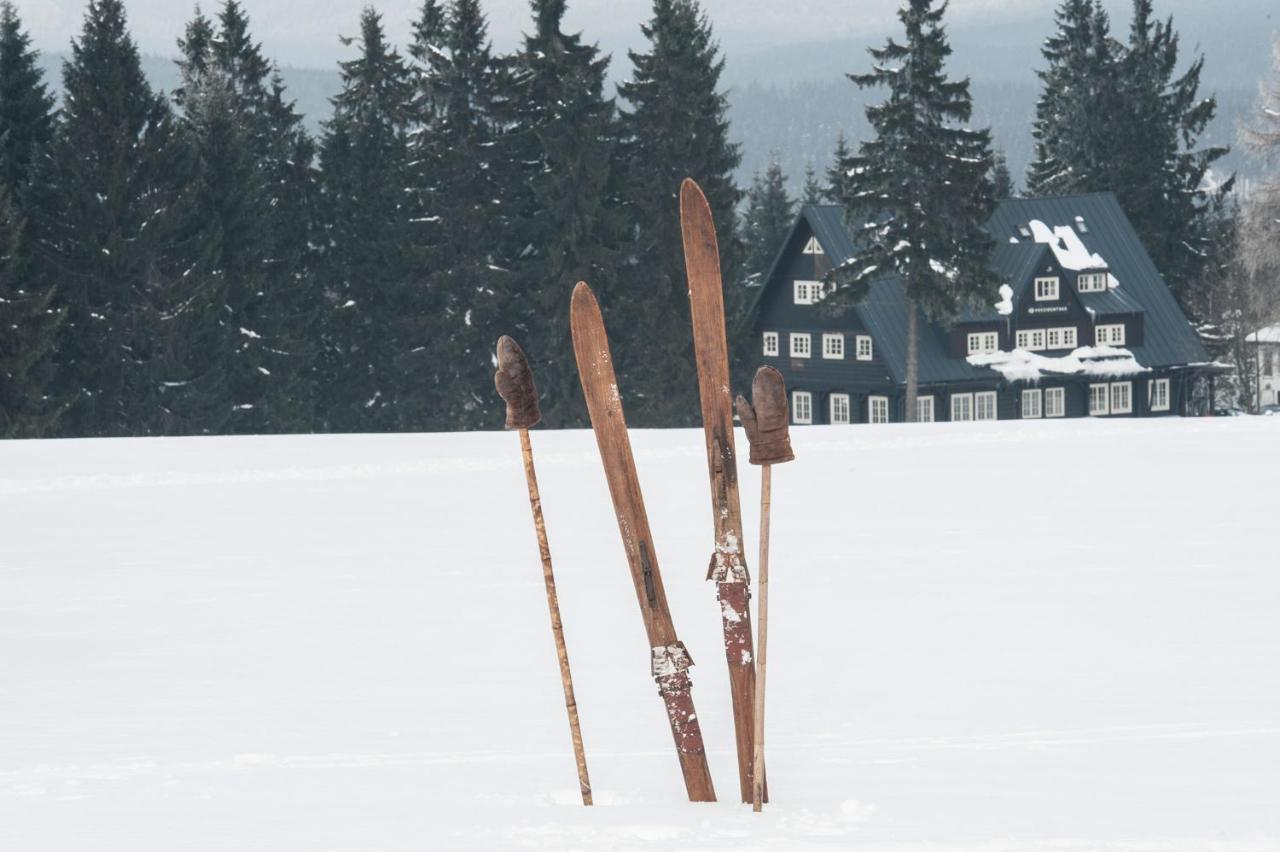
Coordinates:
515 384
765 421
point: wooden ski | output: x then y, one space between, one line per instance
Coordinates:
670 659
728 567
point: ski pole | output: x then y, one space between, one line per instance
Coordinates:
514 381
765 421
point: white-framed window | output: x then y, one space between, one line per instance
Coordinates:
984 405
1031 404
1091 282
1099 400
1121 397
801 407
839 408
1158 394
800 345
878 409
863 350
982 342
832 345
1109 335
771 343
1053 338
1032 340
924 409
961 407
808 292
1055 402
1069 337
1047 289
812 247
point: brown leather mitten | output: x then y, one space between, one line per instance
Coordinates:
514 381
766 419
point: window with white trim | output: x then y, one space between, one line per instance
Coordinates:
1069 337
1109 335
1055 402
878 409
813 247
801 407
1158 394
800 344
924 409
839 408
1091 282
1099 397
1121 397
833 346
1047 289
1031 340
863 348
808 292
771 343
1031 404
982 342
1061 338
961 407
984 405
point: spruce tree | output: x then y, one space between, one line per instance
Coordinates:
463 211
770 214
372 285
1119 118
28 323
561 222
837 187
918 193
1001 180
813 190
117 174
249 237
677 127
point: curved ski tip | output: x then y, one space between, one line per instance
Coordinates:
690 192
583 299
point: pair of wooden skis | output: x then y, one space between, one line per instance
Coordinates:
669 657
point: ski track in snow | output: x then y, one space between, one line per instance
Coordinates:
1005 637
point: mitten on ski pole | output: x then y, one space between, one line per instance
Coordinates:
765 418
514 381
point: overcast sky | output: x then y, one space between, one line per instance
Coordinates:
305 32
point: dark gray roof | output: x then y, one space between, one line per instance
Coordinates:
1168 339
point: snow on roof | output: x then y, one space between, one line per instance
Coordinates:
1067 246
1270 334
1023 366
1004 307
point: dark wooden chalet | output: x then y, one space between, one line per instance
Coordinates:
1083 325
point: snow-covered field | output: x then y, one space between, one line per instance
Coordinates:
1007 636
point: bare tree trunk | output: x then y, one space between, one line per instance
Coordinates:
913 362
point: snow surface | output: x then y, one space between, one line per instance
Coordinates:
1067 247
989 636
1270 334
1020 365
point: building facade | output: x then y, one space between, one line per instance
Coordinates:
1265 380
1083 325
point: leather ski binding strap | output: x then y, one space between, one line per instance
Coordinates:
671 659
514 381
765 418
726 563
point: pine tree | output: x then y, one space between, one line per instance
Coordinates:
770 214
677 127
561 223
372 284
1001 180
117 174
28 324
812 192
918 190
